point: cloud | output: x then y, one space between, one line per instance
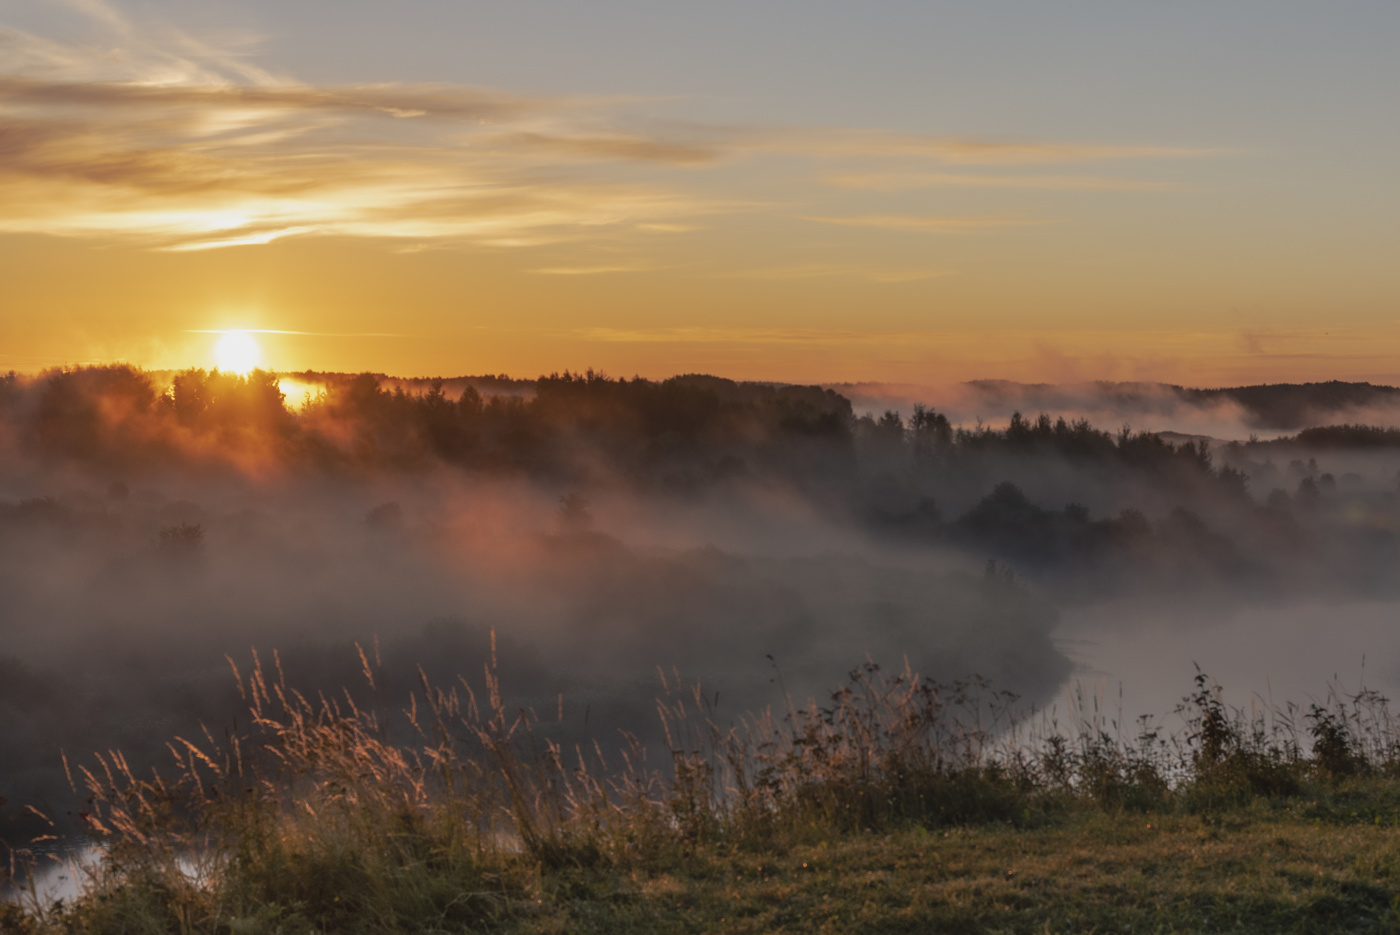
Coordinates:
928 225
247 240
818 270
204 167
619 147
178 142
182 148
148 53
900 181
318 334
836 143
590 270
808 336
258 104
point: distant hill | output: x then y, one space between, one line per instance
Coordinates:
1288 406
1267 406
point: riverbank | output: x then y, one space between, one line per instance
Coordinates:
900 805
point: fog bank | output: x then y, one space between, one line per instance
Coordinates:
759 539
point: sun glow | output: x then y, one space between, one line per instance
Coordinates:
298 394
237 352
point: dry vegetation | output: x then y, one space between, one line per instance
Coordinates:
897 805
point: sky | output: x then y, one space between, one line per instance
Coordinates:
923 192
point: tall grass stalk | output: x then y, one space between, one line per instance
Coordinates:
310 815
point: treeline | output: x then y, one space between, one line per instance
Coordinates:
1293 405
683 435
1334 437
1267 406
117 416
1048 496
574 424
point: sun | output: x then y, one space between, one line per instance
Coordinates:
238 353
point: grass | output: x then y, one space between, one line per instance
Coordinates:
1265 873
896 805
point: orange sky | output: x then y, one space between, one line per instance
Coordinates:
161 180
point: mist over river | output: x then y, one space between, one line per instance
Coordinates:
605 541
1141 658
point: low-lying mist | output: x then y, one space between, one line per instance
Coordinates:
1227 414
759 539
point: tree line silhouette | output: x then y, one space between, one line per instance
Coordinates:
894 476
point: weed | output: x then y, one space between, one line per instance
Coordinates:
314 818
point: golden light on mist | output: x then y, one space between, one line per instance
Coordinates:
298 394
237 352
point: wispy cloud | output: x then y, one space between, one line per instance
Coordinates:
730 336
149 53
929 225
591 270
181 142
901 181
192 168
844 270
187 148
957 151
317 334
618 146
